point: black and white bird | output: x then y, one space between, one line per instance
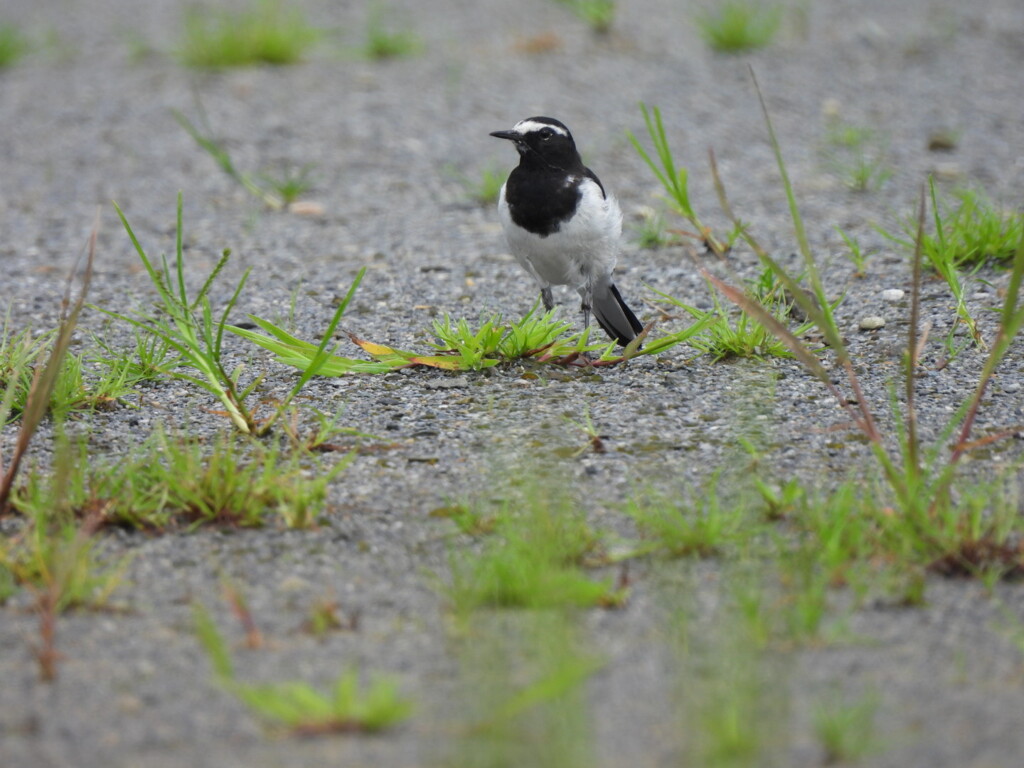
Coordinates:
562 226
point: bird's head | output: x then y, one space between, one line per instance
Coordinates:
544 139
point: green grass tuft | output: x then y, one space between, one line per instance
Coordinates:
385 42
533 559
168 483
697 524
970 230
964 237
523 692
464 347
846 728
485 188
303 709
739 25
289 184
675 181
13 45
739 334
858 155
58 559
598 14
265 32
188 327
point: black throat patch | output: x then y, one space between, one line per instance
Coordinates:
541 199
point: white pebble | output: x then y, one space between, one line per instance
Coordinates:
306 208
872 323
948 171
892 294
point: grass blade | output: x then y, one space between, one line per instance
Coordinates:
1011 321
45 378
913 460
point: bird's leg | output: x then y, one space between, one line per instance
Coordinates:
586 300
585 308
545 295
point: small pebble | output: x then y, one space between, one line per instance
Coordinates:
831 108
872 323
892 294
306 208
128 704
942 140
948 171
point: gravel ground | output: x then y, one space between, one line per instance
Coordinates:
87 119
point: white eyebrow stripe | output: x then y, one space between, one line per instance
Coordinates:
529 126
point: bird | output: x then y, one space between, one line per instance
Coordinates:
562 226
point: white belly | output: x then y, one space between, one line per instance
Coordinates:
584 247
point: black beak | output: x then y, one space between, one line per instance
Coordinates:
510 135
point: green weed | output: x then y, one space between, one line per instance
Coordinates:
523 693
595 442
721 335
726 334
303 709
485 188
53 557
863 173
918 480
598 14
57 563
39 393
845 728
385 42
19 354
971 230
944 253
857 154
72 392
272 191
322 429
170 482
651 231
675 180
137 48
265 32
805 598
732 707
855 254
188 326
838 527
83 383
697 523
965 238
197 339
741 335
325 615
13 45
150 359
348 708
739 25
533 559
288 185
461 346
862 536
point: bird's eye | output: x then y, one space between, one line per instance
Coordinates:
546 133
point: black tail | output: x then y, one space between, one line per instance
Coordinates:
617 319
